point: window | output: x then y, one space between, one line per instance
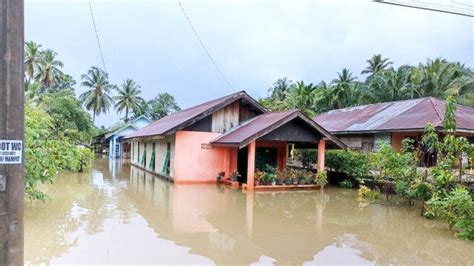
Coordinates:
144 155
152 158
167 163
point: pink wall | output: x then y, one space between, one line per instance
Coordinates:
195 164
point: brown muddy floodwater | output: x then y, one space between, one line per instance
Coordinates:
116 213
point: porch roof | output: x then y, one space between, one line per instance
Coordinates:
264 124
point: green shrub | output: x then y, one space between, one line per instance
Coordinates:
346 184
47 152
393 165
367 193
321 178
307 157
352 163
456 208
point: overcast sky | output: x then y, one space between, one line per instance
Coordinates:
254 43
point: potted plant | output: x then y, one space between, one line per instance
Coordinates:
273 179
235 176
302 177
258 177
220 175
321 178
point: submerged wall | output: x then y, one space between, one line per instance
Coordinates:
196 161
160 147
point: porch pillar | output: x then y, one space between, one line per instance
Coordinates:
251 165
111 147
282 155
321 154
227 163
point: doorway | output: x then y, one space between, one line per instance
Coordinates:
242 163
266 157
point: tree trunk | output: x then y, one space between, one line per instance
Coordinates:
93 117
126 114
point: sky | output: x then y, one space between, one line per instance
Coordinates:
254 43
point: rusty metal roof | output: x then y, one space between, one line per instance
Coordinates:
405 115
171 123
263 124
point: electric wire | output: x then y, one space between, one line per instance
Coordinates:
204 47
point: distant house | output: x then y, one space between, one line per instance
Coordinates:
232 133
113 143
366 127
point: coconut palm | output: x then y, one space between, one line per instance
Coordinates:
49 71
33 59
128 97
280 89
301 97
97 98
342 89
439 78
390 85
376 64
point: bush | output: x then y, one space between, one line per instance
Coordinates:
307 157
367 193
47 153
352 163
346 184
393 165
321 178
455 208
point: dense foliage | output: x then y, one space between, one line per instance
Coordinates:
48 151
352 163
383 83
162 105
441 190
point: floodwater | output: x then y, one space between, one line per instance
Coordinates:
116 213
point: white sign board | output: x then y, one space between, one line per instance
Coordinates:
11 151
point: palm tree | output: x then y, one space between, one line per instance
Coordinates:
439 78
33 59
342 89
280 89
376 64
322 98
50 70
390 85
128 97
301 97
97 99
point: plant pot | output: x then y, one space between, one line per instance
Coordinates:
295 182
257 182
274 182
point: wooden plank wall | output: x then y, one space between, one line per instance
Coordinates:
226 118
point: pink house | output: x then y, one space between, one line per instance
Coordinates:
232 133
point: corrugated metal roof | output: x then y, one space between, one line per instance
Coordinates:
264 124
393 116
168 124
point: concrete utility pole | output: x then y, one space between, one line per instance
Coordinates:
11 132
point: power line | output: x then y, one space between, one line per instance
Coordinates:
204 47
97 36
450 9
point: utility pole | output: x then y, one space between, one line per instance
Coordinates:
11 131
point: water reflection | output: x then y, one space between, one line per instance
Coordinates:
120 214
